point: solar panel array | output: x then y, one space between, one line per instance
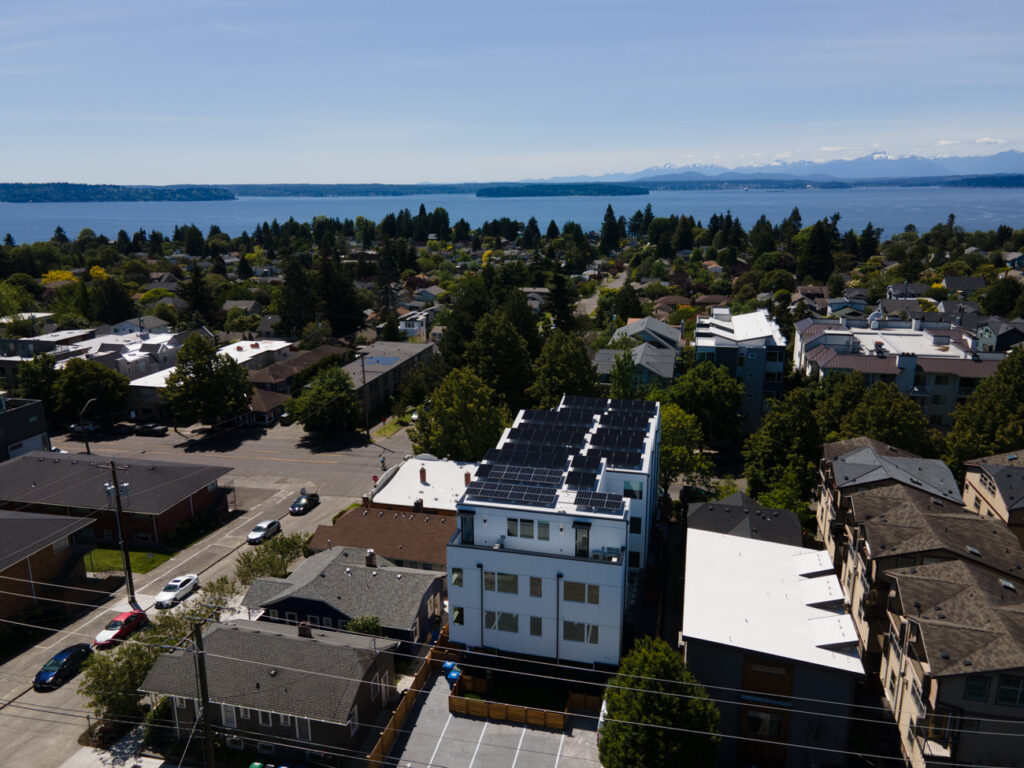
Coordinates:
624 420
580 479
620 459
633 406
512 473
577 417
618 439
531 496
599 502
529 456
548 435
593 404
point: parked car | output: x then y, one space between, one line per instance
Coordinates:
151 430
177 589
85 426
62 667
284 419
304 503
55 449
120 627
264 531
119 430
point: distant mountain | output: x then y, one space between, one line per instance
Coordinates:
878 165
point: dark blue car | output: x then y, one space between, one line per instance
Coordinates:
62 667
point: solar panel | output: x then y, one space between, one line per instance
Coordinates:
599 502
507 493
594 404
518 474
580 479
591 461
529 456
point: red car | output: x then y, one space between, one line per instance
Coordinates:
120 627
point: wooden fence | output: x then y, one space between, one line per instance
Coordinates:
583 702
459 704
439 654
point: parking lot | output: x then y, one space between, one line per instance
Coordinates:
435 737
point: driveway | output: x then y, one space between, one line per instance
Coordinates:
435 737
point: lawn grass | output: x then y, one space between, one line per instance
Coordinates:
392 426
109 559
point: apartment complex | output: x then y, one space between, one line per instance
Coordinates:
554 530
753 348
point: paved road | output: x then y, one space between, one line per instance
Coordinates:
587 305
268 470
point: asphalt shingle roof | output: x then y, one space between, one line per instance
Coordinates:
740 515
25 533
867 464
316 677
343 582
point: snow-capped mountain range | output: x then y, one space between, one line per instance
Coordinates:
878 165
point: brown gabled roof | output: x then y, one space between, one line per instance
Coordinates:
962 367
265 401
842 447
398 536
862 363
281 371
712 300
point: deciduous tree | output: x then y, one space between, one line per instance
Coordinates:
681 439
500 357
81 380
327 403
205 386
887 415
462 419
657 712
563 368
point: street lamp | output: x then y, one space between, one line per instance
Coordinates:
81 425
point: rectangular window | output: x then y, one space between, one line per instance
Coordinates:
536 626
466 524
291 617
976 688
244 713
489 581
265 718
179 702
508 622
456 577
513 527
764 724
302 728
582 540
353 721
327 621
592 634
536 586
457 616
593 594
490 619
1011 691
636 524
313 620
284 719
509 583
634 559
574 591
526 529
633 489
573 631
543 531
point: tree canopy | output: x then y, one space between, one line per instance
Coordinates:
327 403
681 439
711 394
81 380
461 420
563 368
652 705
205 386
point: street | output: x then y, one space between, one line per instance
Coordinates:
269 468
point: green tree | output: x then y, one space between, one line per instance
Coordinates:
622 380
681 438
270 559
205 386
36 380
327 403
563 368
196 292
462 420
840 394
887 415
111 301
815 257
788 436
111 680
992 419
627 305
365 625
712 395
609 232
1001 297
81 380
646 724
315 334
500 357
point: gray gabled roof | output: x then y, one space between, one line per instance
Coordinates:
863 466
660 362
342 581
25 533
276 671
740 515
667 335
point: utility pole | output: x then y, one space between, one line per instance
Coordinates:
366 413
115 487
204 695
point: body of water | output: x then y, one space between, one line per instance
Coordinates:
886 207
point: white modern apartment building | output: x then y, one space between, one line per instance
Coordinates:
554 532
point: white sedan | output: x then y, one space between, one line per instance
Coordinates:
177 589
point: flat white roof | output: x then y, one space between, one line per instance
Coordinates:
904 341
26 316
749 593
244 351
157 380
446 482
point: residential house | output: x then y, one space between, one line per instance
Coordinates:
164 280
813 297
752 348
406 539
278 376
994 487
248 306
341 583
174 302
554 532
740 515
22 426
422 483
160 495
416 325
428 294
937 365
963 286
144 324
40 561
655 366
711 300
953 664
536 297
997 335
763 627
267 327
665 306
906 290
647 329
280 692
1013 260
713 267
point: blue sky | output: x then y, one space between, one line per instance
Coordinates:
235 91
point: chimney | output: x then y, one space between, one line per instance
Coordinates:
305 630
468 477
423 475
371 559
